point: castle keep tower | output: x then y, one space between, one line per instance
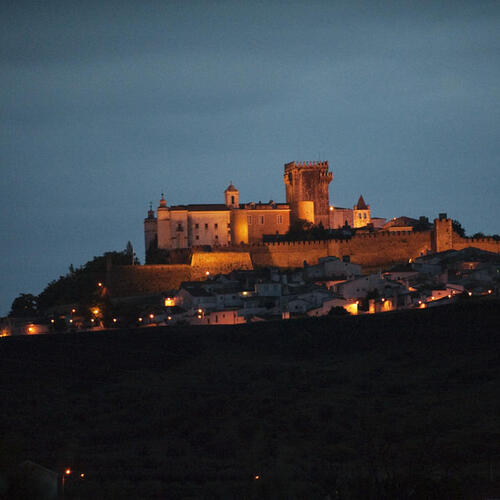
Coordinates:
308 182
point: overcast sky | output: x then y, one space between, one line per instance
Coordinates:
104 105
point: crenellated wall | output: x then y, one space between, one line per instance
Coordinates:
289 254
371 250
383 248
366 249
488 244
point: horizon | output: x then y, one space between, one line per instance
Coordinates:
107 106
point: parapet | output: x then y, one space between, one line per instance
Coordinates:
297 165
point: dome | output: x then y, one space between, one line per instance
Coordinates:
231 188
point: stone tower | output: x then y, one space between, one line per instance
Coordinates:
163 224
361 213
442 237
231 195
150 229
306 182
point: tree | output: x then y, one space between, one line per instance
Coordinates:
25 305
457 227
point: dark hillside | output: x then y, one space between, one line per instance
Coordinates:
398 405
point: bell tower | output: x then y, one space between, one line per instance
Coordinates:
231 195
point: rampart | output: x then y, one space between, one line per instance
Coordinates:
368 249
384 248
124 281
488 244
219 262
140 280
289 253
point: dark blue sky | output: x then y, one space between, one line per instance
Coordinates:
104 105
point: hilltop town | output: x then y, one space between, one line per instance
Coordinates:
236 263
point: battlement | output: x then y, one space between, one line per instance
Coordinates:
298 165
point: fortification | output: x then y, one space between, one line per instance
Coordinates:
309 181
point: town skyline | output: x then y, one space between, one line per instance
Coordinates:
106 106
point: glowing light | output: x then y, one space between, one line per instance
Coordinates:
419 301
200 311
114 320
207 273
31 329
52 320
139 319
470 294
91 320
67 472
489 291
449 296
169 302
151 316
256 477
99 284
383 299
331 208
199 316
245 293
82 475
169 317
432 298
95 311
422 306
71 321
73 310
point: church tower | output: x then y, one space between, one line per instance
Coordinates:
231 195
361 213
308 182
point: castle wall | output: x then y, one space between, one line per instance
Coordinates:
218 262
383 248
488 244
289 254
266 221
124 281
369 250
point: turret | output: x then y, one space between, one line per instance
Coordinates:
232 195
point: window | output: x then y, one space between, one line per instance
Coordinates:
197 237
232 200
206 226
216 225
196 226
261 219
249 220
359 216
364 216
179 227
280 219
216 237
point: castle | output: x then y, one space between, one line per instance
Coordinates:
233 223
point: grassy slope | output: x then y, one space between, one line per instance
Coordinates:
397 405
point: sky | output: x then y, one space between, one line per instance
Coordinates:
105 105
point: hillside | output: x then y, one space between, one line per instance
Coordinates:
399 405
